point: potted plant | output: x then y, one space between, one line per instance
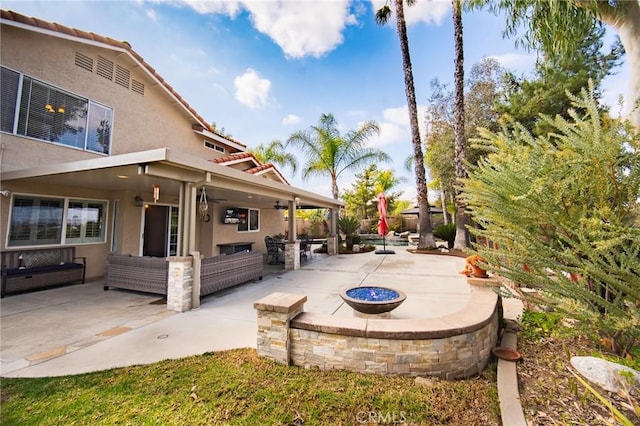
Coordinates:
471 267
349 225
447 233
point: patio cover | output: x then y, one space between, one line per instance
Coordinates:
176 173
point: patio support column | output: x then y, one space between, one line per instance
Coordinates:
188 213
195 293
292 222
179 283
292 255
332 245
334 222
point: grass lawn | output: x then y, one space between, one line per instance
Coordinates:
238 388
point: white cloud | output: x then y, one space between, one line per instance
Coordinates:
151 14
219 88
251 90
395 128
429 12
518 62
390 133
301 28
226 7
291 119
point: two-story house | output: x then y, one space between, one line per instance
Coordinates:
98 151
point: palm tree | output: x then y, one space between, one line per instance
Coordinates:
426 239
329 153
557 26
275 153
462 235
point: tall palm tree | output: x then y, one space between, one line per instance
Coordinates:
329 153
275 152
462 235
426 239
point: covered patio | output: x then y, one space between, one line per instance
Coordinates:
167 204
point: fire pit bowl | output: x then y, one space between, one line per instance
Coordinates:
373 300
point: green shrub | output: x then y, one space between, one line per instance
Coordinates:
561 209
446 232
349 225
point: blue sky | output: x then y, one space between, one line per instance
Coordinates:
262 69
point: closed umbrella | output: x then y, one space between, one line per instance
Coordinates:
383 225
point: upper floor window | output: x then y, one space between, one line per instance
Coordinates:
41 111
213 146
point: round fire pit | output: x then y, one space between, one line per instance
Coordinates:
373 300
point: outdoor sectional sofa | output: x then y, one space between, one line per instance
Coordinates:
139 273
226 270
150 274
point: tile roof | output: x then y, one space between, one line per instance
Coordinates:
74 32
235 157
259 168
264 168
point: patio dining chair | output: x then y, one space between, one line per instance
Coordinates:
305 246
275 251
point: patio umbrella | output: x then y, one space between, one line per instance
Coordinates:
383 225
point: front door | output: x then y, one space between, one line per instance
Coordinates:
156 230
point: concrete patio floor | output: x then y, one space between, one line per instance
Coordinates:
81 328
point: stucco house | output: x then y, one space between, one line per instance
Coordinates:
99 152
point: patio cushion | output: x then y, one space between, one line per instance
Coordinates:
33 260
42 269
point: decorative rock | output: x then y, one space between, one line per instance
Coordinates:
606 374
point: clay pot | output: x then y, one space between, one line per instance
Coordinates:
506 353
479 272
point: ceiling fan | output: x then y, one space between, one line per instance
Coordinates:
278 206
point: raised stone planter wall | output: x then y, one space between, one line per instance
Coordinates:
455 346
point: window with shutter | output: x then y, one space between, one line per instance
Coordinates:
35 221
9 81
51 114
39 221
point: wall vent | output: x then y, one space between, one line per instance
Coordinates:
105 68
137 87
122 76
84 62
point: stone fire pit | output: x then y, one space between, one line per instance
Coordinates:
373 300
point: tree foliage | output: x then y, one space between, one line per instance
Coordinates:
483 88
525 99
557 28
329 153
562 211
361 199
275 152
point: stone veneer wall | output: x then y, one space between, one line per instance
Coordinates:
456 346
292 255
179 283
